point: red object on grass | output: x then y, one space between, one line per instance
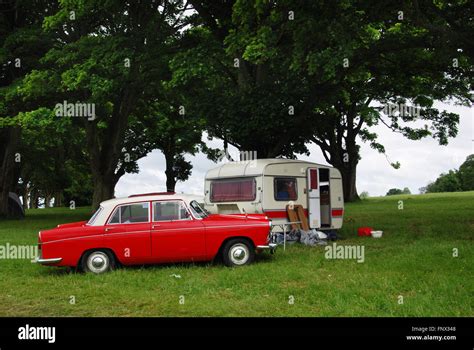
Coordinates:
364 231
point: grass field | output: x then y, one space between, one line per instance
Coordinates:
414 259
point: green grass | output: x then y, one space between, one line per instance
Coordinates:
414 259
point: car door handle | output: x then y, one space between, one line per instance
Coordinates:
155 226
107 229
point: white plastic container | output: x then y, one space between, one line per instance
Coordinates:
376 234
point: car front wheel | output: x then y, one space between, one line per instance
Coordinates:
238 252
98 262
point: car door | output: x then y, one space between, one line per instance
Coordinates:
175 234
127 232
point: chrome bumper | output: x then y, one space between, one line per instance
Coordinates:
48 261
270 246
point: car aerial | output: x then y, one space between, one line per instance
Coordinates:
151 229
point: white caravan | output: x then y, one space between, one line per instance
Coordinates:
267 186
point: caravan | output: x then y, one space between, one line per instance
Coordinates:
267 186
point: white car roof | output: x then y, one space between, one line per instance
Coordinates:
149 197
108 205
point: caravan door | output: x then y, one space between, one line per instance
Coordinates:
314 203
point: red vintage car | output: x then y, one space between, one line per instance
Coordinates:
151 229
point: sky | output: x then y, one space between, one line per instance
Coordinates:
421 162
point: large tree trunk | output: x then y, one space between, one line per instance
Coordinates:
103 190
348 172
47 200
348 168
342 152
170 174
347 165
170 183
105 148
9 140
34 197
58 198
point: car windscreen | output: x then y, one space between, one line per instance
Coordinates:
198 211
94 216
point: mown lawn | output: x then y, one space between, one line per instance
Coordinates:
414 259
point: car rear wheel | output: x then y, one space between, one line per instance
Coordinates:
98 261
238 252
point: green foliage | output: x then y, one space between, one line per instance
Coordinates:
364 195
447 182
397 191
466 174
63 155
455 180
243 70
394 192
22 45
337 63
115 56
169 127
406 190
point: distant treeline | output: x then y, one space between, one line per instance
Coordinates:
454 180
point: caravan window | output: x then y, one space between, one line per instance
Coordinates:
233 190
285 189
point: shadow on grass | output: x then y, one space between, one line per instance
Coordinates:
58 271
65 271
259 259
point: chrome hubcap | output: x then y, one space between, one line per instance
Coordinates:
98 262
239 254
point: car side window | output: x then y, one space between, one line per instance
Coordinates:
131 213
170 210
116 217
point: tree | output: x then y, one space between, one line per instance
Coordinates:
364 195
455 180
406 190
22 44
109 57
451 22
466 174
382 60
169 128
345 56
394 191
63 155
446 182
252 106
